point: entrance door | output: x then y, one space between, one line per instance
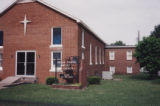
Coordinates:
25 63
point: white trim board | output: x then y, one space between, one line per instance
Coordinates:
25 1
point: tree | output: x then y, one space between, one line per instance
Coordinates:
118 43
156 31
147 53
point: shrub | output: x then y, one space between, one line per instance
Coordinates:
51 80
94 80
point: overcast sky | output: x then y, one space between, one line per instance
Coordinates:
114 20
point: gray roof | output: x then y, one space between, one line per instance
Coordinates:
116 47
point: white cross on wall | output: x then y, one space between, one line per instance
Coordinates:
25 22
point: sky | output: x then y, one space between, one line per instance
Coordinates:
113 20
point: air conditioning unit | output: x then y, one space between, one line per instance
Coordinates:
107 75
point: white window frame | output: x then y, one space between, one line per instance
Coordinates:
103 56
112 69
129 70
83 39
100 56
129 54
111 55
90 54
1 60
96 62
55 45
59 69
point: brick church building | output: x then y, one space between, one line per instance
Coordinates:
35 34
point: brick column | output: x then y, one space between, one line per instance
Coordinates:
82 74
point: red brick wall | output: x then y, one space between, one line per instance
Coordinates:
94 69
1 75
121 61
38 36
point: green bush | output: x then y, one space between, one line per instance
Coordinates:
51 80
94 80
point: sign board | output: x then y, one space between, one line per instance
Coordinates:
70 69
107 75
159 73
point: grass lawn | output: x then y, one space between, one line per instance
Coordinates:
130 91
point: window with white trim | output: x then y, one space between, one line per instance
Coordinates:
56 55
1 61
56 37
96 55
112 69
103 56
111 55
83 46
129 70
90 54
129 55
99 55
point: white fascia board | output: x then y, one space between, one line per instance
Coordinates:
25 1
7 5
58 10
88 28
127 46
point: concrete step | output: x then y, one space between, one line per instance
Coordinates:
28 80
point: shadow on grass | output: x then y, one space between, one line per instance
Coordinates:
157 81
146 77
142 76
22 103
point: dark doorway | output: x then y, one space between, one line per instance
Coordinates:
26 63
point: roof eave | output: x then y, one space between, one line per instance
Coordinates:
58 10
117 47
88 28
7 8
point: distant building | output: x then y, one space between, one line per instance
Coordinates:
120 60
